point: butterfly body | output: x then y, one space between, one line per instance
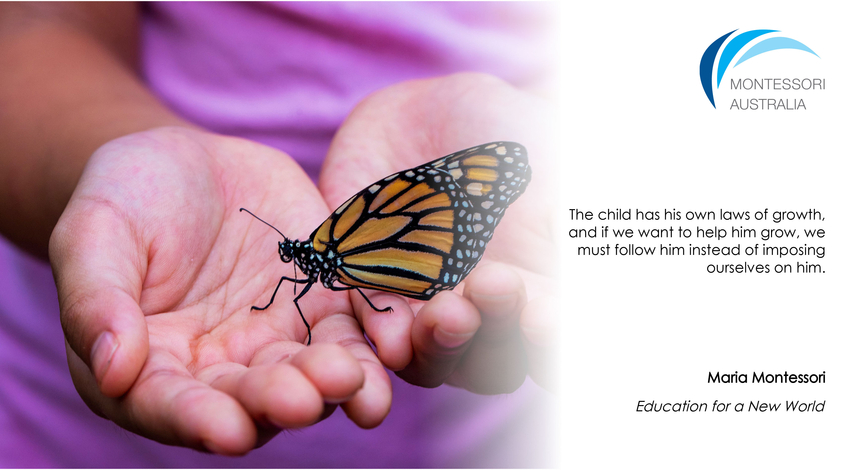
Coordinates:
417 232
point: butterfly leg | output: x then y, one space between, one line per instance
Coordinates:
309 334
387 309
284 278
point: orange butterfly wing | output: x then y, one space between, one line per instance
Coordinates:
422 230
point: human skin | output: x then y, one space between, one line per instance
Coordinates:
156 269
413 122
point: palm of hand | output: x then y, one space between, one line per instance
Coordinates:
186 263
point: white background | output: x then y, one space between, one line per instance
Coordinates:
638 132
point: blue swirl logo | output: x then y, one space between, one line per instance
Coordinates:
730 50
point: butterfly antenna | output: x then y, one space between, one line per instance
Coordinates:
263 221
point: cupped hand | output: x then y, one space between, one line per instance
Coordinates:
499 325
156 271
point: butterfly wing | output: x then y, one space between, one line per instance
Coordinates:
421 231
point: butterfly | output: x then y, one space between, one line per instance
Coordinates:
416 232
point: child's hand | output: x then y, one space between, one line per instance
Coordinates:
157 269
486 336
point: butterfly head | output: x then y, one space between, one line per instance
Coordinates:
284 249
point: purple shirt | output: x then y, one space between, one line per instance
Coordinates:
285 75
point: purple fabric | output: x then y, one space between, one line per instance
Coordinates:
285 75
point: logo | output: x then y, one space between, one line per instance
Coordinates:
728 52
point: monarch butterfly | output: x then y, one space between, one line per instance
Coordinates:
416 232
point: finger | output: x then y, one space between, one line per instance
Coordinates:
333 370
539 333
441 333
388 331
369 405
98 280
275 394
495 361
169 406
293 392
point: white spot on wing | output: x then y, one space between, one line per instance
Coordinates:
474 189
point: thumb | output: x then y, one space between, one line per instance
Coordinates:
98 268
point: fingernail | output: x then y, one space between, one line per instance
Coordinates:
503 303
102 353
537 336
451 340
